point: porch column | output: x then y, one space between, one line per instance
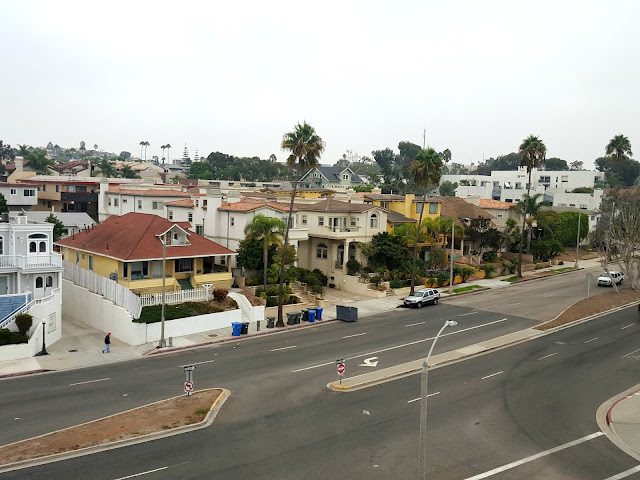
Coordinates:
229 263
345 258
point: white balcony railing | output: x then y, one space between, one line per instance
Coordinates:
26 262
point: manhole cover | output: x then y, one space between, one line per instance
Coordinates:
212 335
74 350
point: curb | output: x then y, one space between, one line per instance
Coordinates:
28 372
604 420
208 420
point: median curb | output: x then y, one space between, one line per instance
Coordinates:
208 420
604 418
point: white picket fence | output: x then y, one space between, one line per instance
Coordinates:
195 295
109 289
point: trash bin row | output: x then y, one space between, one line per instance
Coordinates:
293 318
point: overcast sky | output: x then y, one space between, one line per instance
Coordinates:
479 76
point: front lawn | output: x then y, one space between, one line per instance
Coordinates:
153 313
466 289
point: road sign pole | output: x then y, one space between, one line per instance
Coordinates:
188 383
340 367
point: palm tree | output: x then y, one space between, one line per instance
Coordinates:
107 168
619 147
143 145
532 210
426 169
305 148
128 172
38 160
267 230
163 147
168 146
533 153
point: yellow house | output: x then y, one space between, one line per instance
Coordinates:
130 249
300 192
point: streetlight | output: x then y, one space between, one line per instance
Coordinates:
162 343
44 349
577 241
423 403
453 232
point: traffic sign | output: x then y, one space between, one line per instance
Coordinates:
188 387
189 368
340 368
455 257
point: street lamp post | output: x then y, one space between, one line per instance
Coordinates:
453 232
164 283
44 348
577 241
423 403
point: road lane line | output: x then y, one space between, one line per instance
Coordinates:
631 471
143 473
400 346
414 324
547 356
355 335
90 381
469 313
283 348
631 353
416 399
492 375
630 325
196 363
591 340
509 466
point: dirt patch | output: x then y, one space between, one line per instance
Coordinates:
593 305
157 417
255 301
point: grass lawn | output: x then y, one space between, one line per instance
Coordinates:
467 289
511 279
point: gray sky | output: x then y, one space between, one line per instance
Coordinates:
479 76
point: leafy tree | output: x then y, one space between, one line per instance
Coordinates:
386 160
582 190
23 150
3 204
531 210
268 231
511 161
426 169
250 254
448 189
483 235
555 164
455 169
385 250
58 227
619 147
125 155
363 188
200 170
38 160
622 172
6 152
532 155
128 172
577 166
305 148
563 226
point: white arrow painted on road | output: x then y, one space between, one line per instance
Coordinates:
369 362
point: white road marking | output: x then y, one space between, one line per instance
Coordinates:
196 363
630 325
492 375
369 362
143 473
631 353
401 346
414 324
356 335
283 348
90 381
631 471
416 399
509 466
469 313
547 356
591 340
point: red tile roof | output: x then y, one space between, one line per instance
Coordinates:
488 203
133 237
187 202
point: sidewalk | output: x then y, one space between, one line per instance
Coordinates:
619 419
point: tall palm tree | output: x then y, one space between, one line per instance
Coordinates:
305 148
107 168
168 146
426 169
163 147
619 147
532 210
269 231
533 153
143 145
128 172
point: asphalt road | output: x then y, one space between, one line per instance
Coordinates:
282 422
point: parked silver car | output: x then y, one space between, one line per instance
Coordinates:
422 297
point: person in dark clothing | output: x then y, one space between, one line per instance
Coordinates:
107 343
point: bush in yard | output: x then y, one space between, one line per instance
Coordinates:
488 268
24 322
353 267
511 265
396 283
442 278
8 337
375 280
489 256
220 294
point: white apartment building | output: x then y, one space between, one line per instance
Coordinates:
19 197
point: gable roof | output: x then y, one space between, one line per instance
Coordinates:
385 197
332 205
456 207
247 205
133 237
332 173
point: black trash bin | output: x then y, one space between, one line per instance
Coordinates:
245 328
291 318
305 314
271 322
298 317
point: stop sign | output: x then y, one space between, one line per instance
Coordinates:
340 368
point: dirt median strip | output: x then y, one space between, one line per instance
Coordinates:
162 416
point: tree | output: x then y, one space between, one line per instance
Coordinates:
268 231
168 147
426 169
305 148
448 189
125 155
531 209
3 204
128 172
509 161
385 250
200 170
143 145
58 227
483 235
619 147
38 160
163 147
107 168
576 166
622 172
83 147
95 146
555 164
532 155
6 152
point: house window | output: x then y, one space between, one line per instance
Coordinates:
125 270
14 191
157 205
170 214
499 214
139 270
139 204
320 221
29 193
232 221
419 207
90 262
384 204
1 246
77 257
345 176
184 265
191 217
39 282
49 281
115 202
196 202
322 251
304 219
353 221
433 208
57 188
42 248
44 188
109 201
200 229
373 222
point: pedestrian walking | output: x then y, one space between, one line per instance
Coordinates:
107 343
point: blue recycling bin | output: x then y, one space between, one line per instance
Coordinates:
319 313
312 315
237 328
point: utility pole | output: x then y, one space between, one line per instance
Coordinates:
424 138
453 232
577 241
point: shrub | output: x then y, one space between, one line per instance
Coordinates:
293 299
489 256
8 337
317 289
220 294
353 267
488 268
375 280
396 283
24 322
511 265
272 301
442 278
152 314
321 276
252 281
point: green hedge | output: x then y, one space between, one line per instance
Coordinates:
8 337
153 313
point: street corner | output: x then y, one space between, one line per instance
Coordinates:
618 420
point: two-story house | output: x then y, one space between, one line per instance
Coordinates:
325 176
19 197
